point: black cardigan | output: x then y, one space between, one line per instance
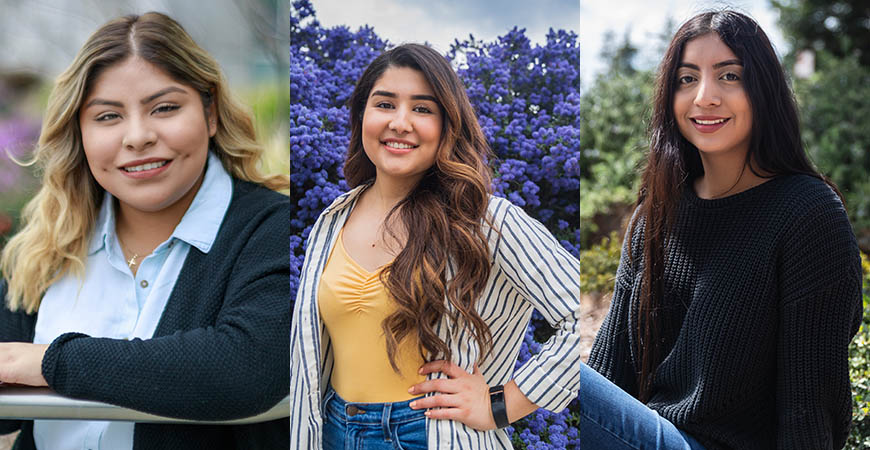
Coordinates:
220 350
762 296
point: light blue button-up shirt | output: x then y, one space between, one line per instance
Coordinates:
113 303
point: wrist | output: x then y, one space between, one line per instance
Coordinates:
498 406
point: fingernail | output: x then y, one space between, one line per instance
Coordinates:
411 390
413 404
426 414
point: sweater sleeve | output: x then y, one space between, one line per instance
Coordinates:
820 311
611 351
234 367
14 327
548 277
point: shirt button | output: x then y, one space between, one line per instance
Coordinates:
143 283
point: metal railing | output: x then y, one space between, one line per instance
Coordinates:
43 403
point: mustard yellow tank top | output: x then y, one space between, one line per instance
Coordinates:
353 303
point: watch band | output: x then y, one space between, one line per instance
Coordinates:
499 410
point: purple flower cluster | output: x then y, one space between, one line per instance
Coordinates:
16 140
527 102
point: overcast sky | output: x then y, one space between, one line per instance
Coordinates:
439 22
644 24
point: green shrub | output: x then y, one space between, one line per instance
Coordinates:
598 265
859 372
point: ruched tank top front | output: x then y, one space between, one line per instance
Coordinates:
353 303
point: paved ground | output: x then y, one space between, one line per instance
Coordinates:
593 308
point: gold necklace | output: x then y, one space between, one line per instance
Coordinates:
132 262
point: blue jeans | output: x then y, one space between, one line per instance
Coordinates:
372 426
612 419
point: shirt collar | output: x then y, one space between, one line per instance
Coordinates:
344 200
201 222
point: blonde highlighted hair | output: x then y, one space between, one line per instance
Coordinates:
59 220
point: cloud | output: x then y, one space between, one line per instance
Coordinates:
441 22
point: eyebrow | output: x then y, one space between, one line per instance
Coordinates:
727 62
413 97
144 101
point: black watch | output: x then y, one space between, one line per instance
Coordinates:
499 411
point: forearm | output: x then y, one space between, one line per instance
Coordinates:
203 374
516 403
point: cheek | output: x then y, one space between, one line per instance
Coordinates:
100 148
186 137
370 128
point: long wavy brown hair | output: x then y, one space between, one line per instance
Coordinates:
447 255
673 163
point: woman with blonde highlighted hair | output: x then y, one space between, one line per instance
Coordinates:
152 269
418 284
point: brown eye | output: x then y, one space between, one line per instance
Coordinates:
107 117
165 108
685 79
731 76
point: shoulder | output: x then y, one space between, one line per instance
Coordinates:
247 195
255 210
804 195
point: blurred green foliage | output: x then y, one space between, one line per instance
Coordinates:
598 265
270 105
836 26
834 108
616 111
859 371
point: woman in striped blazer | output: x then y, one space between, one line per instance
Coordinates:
418 284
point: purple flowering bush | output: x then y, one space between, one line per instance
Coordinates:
17 136
527 102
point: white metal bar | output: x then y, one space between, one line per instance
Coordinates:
43 403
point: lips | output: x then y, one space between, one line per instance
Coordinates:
145 168
709 124
398 146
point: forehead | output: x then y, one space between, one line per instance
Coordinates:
403 80
131 77
708 49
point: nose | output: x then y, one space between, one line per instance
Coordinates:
138 135
708 93
401 123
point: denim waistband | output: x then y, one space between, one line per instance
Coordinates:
370 413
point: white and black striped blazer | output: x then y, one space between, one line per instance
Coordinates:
530 270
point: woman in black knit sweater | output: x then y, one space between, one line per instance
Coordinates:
738 289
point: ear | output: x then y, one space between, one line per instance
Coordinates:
212 118
212 115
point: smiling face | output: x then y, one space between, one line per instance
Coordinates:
401 125
711 107
145 136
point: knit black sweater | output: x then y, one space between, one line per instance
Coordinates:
220 350
762 296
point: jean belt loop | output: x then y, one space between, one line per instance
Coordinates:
385 421
329 393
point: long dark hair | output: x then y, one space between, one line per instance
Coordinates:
775 148
445 210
